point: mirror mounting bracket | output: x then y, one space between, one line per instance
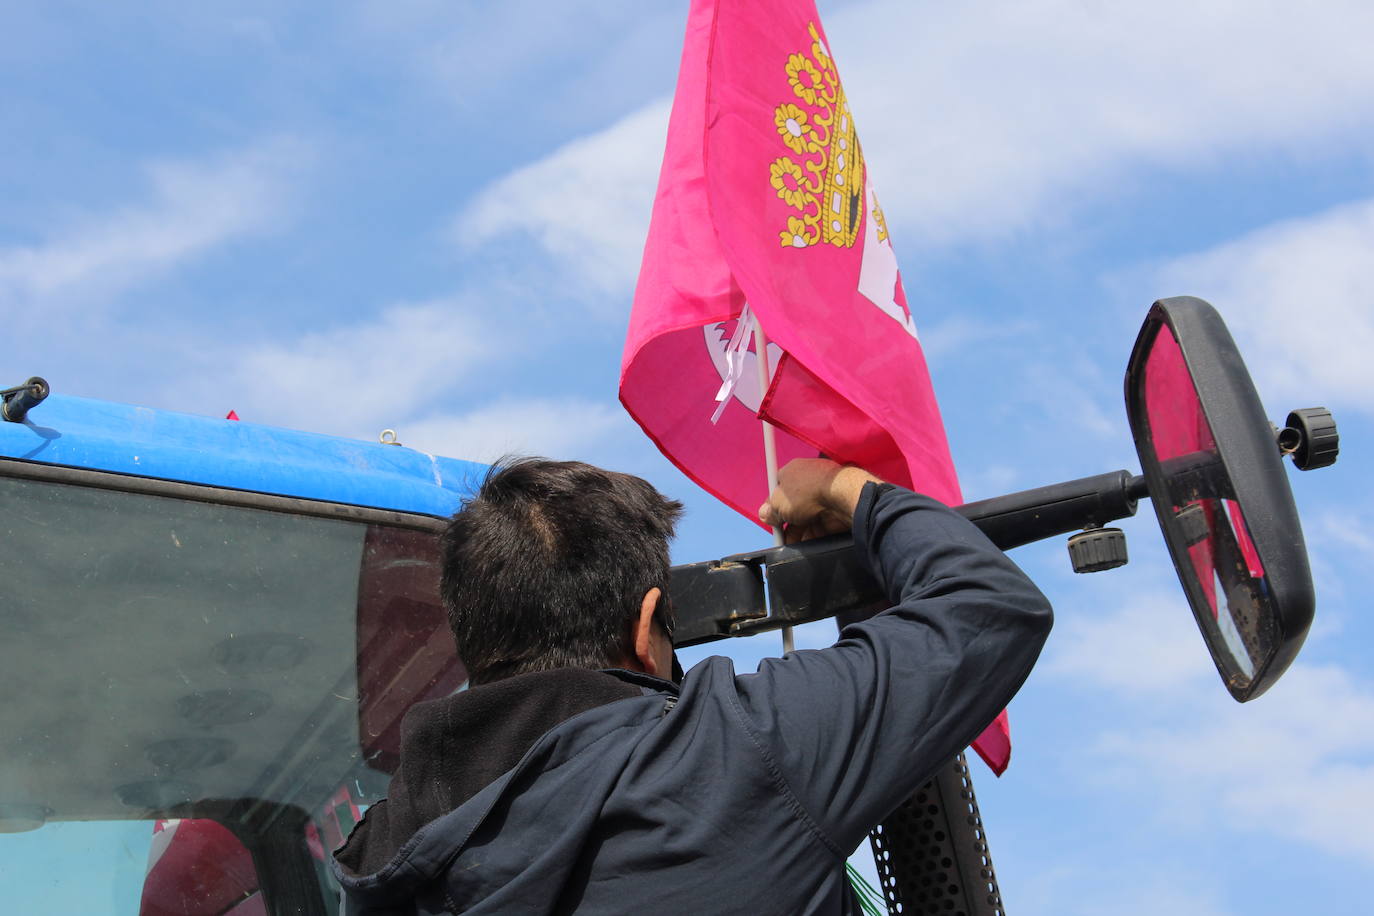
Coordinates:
16 402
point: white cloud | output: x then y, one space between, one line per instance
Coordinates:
993 117
956 334
586 204
1340 549
356 379
1349 531
1149 644
984 481
564 427
983 118
1072 393
1297 762
1299 297
190 208
575 64
1072 887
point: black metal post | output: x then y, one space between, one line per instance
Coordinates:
932 852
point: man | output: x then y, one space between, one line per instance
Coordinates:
572 776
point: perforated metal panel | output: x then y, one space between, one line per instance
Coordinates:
932 853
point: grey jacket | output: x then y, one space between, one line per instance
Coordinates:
614 792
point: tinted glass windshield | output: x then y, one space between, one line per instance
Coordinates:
198 695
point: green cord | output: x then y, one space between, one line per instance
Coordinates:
870 901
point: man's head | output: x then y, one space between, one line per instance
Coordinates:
558 564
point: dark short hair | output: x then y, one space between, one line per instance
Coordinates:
548 564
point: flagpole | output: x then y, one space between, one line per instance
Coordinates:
770 444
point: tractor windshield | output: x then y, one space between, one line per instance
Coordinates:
203 690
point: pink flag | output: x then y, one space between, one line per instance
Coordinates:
765 211
196 867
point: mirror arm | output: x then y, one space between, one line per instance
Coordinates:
1033 515
1138 489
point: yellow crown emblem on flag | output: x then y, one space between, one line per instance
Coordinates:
824 178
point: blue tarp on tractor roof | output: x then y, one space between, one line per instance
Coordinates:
100 435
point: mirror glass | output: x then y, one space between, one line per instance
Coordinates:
1222 571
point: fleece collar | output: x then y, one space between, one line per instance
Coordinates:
454 747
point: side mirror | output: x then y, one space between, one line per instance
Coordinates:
1212 467
1214 473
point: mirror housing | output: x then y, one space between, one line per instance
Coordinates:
1215 475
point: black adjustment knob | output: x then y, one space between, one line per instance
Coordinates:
1097 549
1318 442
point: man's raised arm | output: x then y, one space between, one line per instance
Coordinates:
854 729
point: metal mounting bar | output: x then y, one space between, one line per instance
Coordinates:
1032 515
711 599
784 586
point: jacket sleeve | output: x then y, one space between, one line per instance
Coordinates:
853 730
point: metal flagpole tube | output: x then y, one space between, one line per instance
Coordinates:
770 445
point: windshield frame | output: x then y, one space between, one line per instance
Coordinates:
226 496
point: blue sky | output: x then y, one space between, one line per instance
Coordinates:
428 216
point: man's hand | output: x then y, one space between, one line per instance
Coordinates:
814 497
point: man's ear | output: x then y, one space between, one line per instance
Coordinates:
645 638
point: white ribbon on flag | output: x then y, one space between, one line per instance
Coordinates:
734 360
